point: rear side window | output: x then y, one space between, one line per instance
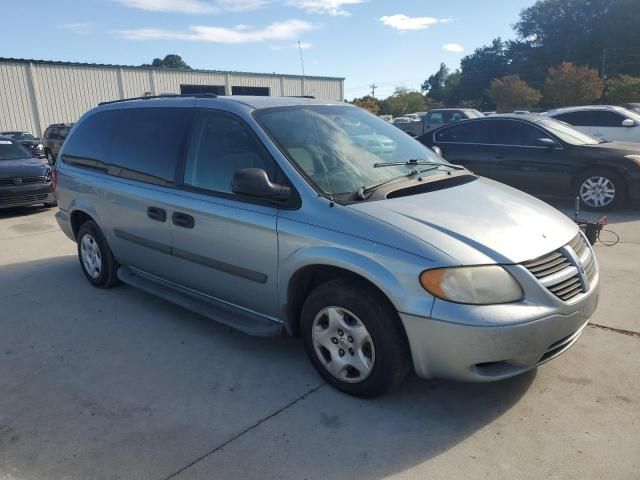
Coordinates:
578 119
148 143
90 140
466 133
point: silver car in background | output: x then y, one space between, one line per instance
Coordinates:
265 214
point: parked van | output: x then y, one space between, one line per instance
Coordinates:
264 214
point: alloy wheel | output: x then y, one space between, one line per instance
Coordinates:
597 191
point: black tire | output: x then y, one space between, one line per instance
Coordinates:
613 178
107 276
392 354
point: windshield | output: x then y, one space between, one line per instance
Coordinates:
12 151
474 114
567 133
631 114
337 146
21 136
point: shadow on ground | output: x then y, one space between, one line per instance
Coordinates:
118 384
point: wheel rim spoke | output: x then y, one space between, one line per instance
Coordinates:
91 256
597 191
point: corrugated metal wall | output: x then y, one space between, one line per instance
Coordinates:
34 95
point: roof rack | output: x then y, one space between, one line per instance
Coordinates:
301 96
164 95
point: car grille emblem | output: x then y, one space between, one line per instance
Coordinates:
17 181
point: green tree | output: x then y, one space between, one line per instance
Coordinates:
623 89
435 85
568 84
369 103
404 100
480 67
169 61
510 93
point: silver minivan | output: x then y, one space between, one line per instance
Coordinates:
267 215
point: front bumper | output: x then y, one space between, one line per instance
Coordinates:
485 353
64 221
23 196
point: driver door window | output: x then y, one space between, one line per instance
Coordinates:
221 145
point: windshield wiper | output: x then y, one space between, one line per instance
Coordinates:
362 191
418 161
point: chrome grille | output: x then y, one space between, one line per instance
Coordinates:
567 272
22 181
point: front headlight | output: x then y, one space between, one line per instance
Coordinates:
634 158
40 147
483 285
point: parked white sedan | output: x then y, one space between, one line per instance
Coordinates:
603 121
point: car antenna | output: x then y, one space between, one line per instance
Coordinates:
304 77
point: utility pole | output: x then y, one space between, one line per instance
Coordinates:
604 63
373 87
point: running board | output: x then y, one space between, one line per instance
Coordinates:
234 317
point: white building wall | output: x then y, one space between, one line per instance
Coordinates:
36 94
16 108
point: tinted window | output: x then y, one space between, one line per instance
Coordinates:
220 145
64 131
55 133
91 139
475 132
606 119
435 118
579 119
148 142
508 132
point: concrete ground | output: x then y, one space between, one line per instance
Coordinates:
117 384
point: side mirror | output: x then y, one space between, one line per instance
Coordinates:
437 151
627 122
254 182
546 142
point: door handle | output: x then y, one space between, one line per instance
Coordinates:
158 214
183 220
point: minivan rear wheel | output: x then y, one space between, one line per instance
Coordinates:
354 338
96 258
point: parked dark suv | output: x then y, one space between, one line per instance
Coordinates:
24 180
53 138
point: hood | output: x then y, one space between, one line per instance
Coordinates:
24 167
479 222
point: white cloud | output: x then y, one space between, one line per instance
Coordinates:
404 23
453 47
303 45
195 6
331 7
285 30
81 28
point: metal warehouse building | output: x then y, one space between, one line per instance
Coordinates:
37 93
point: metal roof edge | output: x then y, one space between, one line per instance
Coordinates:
134 67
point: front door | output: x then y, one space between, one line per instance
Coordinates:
225 246
520 159
466 144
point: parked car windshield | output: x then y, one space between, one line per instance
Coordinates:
21 136
12 151
337 146
567 133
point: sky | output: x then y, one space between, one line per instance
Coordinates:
390 43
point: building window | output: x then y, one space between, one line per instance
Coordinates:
195 89
258 91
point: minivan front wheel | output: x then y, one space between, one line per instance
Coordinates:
354 338
96 258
